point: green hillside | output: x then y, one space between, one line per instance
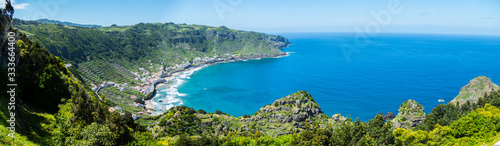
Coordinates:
52 107
112 53
67 23
137 54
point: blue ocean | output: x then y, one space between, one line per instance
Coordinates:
378 77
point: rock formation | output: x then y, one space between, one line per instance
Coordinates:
476 88
284 116
389 116
410 114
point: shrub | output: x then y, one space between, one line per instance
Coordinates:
200 111
220 112
256 113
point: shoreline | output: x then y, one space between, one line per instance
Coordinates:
148 102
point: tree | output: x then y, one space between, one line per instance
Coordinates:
201 111
381 132
349 133
443 114
220 112
315 135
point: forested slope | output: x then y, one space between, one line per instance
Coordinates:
111 53
52 107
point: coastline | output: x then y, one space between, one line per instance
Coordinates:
150 108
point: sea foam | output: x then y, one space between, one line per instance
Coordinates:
169 94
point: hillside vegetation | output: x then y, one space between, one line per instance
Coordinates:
52 107
112 53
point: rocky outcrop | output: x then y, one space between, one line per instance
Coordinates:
295 107
279 41
289 113
411 114
339 118
476 89
151 89
284 116
389 116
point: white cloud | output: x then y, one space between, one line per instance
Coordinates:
16 6
20 6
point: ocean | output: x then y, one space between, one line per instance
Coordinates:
379 77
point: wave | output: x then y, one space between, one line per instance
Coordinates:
287 54
168 96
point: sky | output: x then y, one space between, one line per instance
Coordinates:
279 16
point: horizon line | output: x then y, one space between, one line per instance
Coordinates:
284 32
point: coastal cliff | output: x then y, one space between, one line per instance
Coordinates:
474 90
126 51
284 116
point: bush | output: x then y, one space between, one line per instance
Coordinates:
200 111
220 112
246 116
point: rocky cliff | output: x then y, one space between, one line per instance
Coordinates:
288 113
410 114
283 116
476 88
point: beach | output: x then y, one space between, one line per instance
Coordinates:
177 78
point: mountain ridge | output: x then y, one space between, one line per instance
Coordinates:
130 48
48 21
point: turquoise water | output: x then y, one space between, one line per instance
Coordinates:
391 69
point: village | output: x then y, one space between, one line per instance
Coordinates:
148 80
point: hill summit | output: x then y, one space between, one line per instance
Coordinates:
476 88
410 114
286 115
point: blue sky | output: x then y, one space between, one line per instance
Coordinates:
279 16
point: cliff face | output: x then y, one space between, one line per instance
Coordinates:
279 41
410 114
124 49
476 88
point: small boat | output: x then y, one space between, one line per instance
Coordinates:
440 100
160 100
